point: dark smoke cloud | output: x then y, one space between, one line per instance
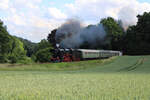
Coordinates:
68 29
72 34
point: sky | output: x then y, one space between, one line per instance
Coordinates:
34 19
144 1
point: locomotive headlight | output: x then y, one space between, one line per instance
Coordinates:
57 45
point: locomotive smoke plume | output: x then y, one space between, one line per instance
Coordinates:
128 16
72 34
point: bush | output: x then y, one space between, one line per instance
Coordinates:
33 57
25 60
43 55
12 59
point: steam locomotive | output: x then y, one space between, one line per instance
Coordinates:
69 55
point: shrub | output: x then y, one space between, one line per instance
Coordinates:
12 59
25 60
43 55
33 57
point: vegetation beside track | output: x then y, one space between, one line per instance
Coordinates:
56 66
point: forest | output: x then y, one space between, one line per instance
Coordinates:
134 40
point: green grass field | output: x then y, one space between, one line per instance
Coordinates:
118 78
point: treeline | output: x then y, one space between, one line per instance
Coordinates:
18 50
11 48
137 38
133 41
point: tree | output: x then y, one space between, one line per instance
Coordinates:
44 55
130 40
28 46
111 26
43 44
138 36
11 48
143 32
114 33
52 38
5 42
17 51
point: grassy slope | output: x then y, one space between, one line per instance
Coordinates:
122 78
115 64
71 66
128 64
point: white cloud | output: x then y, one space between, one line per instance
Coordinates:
56 13
4 4
25 4
18 20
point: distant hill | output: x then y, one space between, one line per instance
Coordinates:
29 46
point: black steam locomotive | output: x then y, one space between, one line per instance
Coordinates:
69 55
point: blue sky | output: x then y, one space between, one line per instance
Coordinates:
34 19
144 1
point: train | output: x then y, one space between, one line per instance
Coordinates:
69 55
61 54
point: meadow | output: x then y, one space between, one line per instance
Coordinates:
118 78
